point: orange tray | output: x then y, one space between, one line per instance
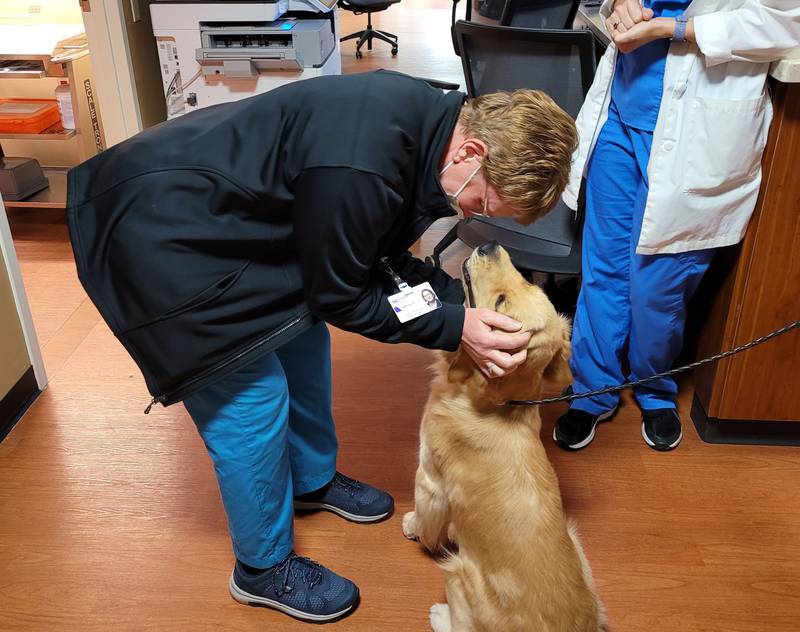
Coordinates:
27 116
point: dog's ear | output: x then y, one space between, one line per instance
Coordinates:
557 371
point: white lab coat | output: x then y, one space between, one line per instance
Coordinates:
705 164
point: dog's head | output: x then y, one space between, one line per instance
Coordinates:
492 281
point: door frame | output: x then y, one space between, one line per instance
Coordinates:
104 21
9 255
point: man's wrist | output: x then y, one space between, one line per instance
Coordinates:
666 27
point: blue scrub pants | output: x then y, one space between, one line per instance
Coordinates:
626 297
269 431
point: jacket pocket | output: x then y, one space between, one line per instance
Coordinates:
207 295
724 143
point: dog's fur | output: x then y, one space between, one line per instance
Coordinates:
486 486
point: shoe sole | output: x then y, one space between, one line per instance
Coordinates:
304 506
587 440
663 448
247 599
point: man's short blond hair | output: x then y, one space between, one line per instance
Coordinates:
530 142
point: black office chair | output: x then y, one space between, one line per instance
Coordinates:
367 35
562 64
529 14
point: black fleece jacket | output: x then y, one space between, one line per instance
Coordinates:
214 238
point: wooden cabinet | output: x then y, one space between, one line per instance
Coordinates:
759 292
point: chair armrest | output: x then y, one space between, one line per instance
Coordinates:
444 85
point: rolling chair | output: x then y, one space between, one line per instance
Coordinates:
529 14
562 64
357 7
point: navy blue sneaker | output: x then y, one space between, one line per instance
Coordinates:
661 428
575 428
350 499
298 587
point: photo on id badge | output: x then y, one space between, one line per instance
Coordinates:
414 302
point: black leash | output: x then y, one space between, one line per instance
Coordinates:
680 369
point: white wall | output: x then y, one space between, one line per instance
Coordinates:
40 12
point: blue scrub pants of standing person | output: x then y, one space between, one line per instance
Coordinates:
626 297
269 431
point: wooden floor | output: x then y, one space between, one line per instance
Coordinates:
110 520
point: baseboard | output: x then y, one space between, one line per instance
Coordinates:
744 431
17 401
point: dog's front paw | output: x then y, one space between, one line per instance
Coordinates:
440 617
410 525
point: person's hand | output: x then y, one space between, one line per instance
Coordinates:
496 354
626 14
643 33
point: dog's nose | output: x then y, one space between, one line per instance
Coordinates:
487 248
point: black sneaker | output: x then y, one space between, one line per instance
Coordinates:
298 587
575 428
350 499
661 428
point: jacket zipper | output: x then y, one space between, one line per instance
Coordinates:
160 399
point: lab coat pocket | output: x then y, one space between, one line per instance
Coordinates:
724 143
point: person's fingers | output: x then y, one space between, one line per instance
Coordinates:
613 23
501 364
634 10
509 362
497 340
633 38
506 342
501 360
499 321
519 357
491 370
647 14
624 16
617 26
637 11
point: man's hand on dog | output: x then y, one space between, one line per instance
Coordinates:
496 353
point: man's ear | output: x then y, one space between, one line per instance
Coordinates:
473 147
557 371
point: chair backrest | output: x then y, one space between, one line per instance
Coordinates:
539 14
529 14
562 64
559 62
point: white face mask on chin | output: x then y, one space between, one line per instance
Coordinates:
452 198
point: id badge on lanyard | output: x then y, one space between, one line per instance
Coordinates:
410 302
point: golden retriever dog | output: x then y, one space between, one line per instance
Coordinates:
486 495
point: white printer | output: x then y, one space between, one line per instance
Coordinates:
213 52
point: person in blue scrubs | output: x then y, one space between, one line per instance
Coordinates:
628 301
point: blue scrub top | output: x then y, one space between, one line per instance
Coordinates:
639 77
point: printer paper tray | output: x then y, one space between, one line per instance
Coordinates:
246 64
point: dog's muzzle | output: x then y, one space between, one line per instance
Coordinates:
467 279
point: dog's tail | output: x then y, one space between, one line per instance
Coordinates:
602 619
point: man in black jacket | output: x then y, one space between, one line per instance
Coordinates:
217 245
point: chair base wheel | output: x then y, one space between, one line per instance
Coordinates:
394 52
359 54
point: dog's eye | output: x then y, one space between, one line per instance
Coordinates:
500 300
